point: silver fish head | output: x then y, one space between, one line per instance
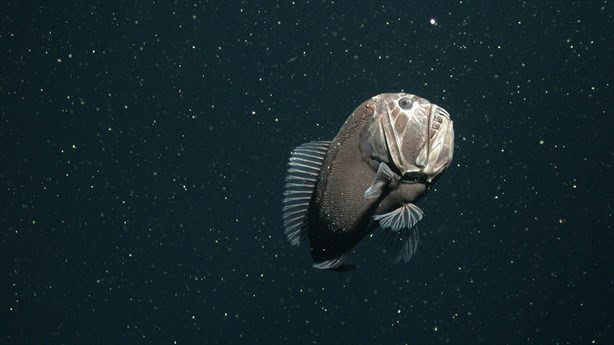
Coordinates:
409 133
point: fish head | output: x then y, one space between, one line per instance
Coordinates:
411 134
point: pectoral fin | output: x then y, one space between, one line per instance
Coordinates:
399 231
403 244
404 217
383 176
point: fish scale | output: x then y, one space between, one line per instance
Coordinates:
367 179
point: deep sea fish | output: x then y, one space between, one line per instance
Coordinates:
385 157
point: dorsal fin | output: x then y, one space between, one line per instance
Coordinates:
301 180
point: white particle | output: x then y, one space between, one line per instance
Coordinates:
433 21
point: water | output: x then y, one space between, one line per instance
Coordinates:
144 148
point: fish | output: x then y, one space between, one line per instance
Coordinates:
387 155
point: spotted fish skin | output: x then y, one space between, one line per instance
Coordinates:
369 177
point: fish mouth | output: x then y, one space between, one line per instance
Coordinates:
437 154
434 122
436 119
437 133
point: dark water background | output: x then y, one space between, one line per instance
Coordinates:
144 147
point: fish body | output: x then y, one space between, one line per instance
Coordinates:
384 158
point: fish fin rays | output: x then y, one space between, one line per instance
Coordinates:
383 176
399 232
336 264
404 217
301 181
402 244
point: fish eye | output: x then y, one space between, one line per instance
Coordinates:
405 103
